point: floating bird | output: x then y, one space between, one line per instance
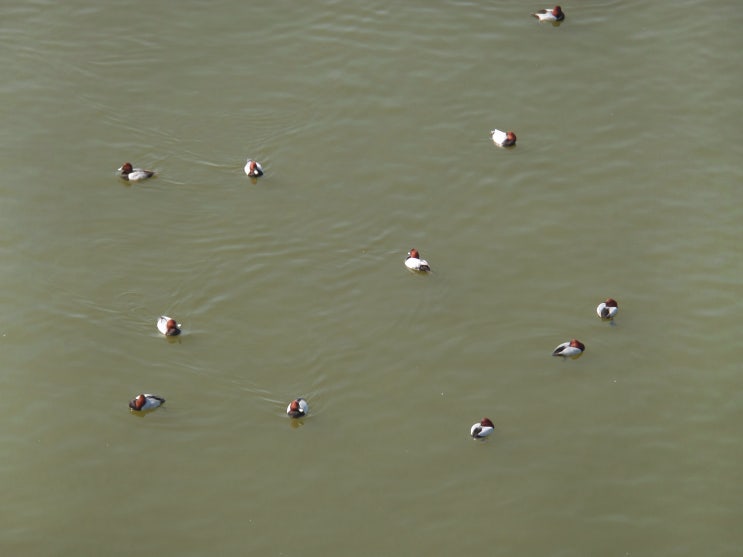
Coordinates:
414 262
253 168
168 326
553 15
503 139
298 408
144 402
570 349
481 429
134 174
608 309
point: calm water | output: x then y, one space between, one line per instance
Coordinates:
371 120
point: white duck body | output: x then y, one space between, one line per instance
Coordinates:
415 264
482 429
138 174
502 139
498 137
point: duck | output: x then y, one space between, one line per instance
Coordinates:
571 349
127 172
553 15
168 326
503 139
298 408
481 429
414 262
608 309
144 402
253 168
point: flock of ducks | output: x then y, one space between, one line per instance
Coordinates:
168 326
572 349
554 16
127 172
299 408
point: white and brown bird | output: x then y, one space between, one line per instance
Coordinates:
127 172
168 326
570 349
608 309
552 15
481 429
298 408
145 402
414 262
253 168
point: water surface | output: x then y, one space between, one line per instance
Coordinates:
371 121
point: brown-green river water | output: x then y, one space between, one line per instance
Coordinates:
372 122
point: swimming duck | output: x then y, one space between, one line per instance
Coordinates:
168 326
481 429
553 15
134 174
414 262
144 402
253 168
570 349
503 139
298 408
608 309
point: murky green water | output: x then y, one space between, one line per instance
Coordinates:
371 121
